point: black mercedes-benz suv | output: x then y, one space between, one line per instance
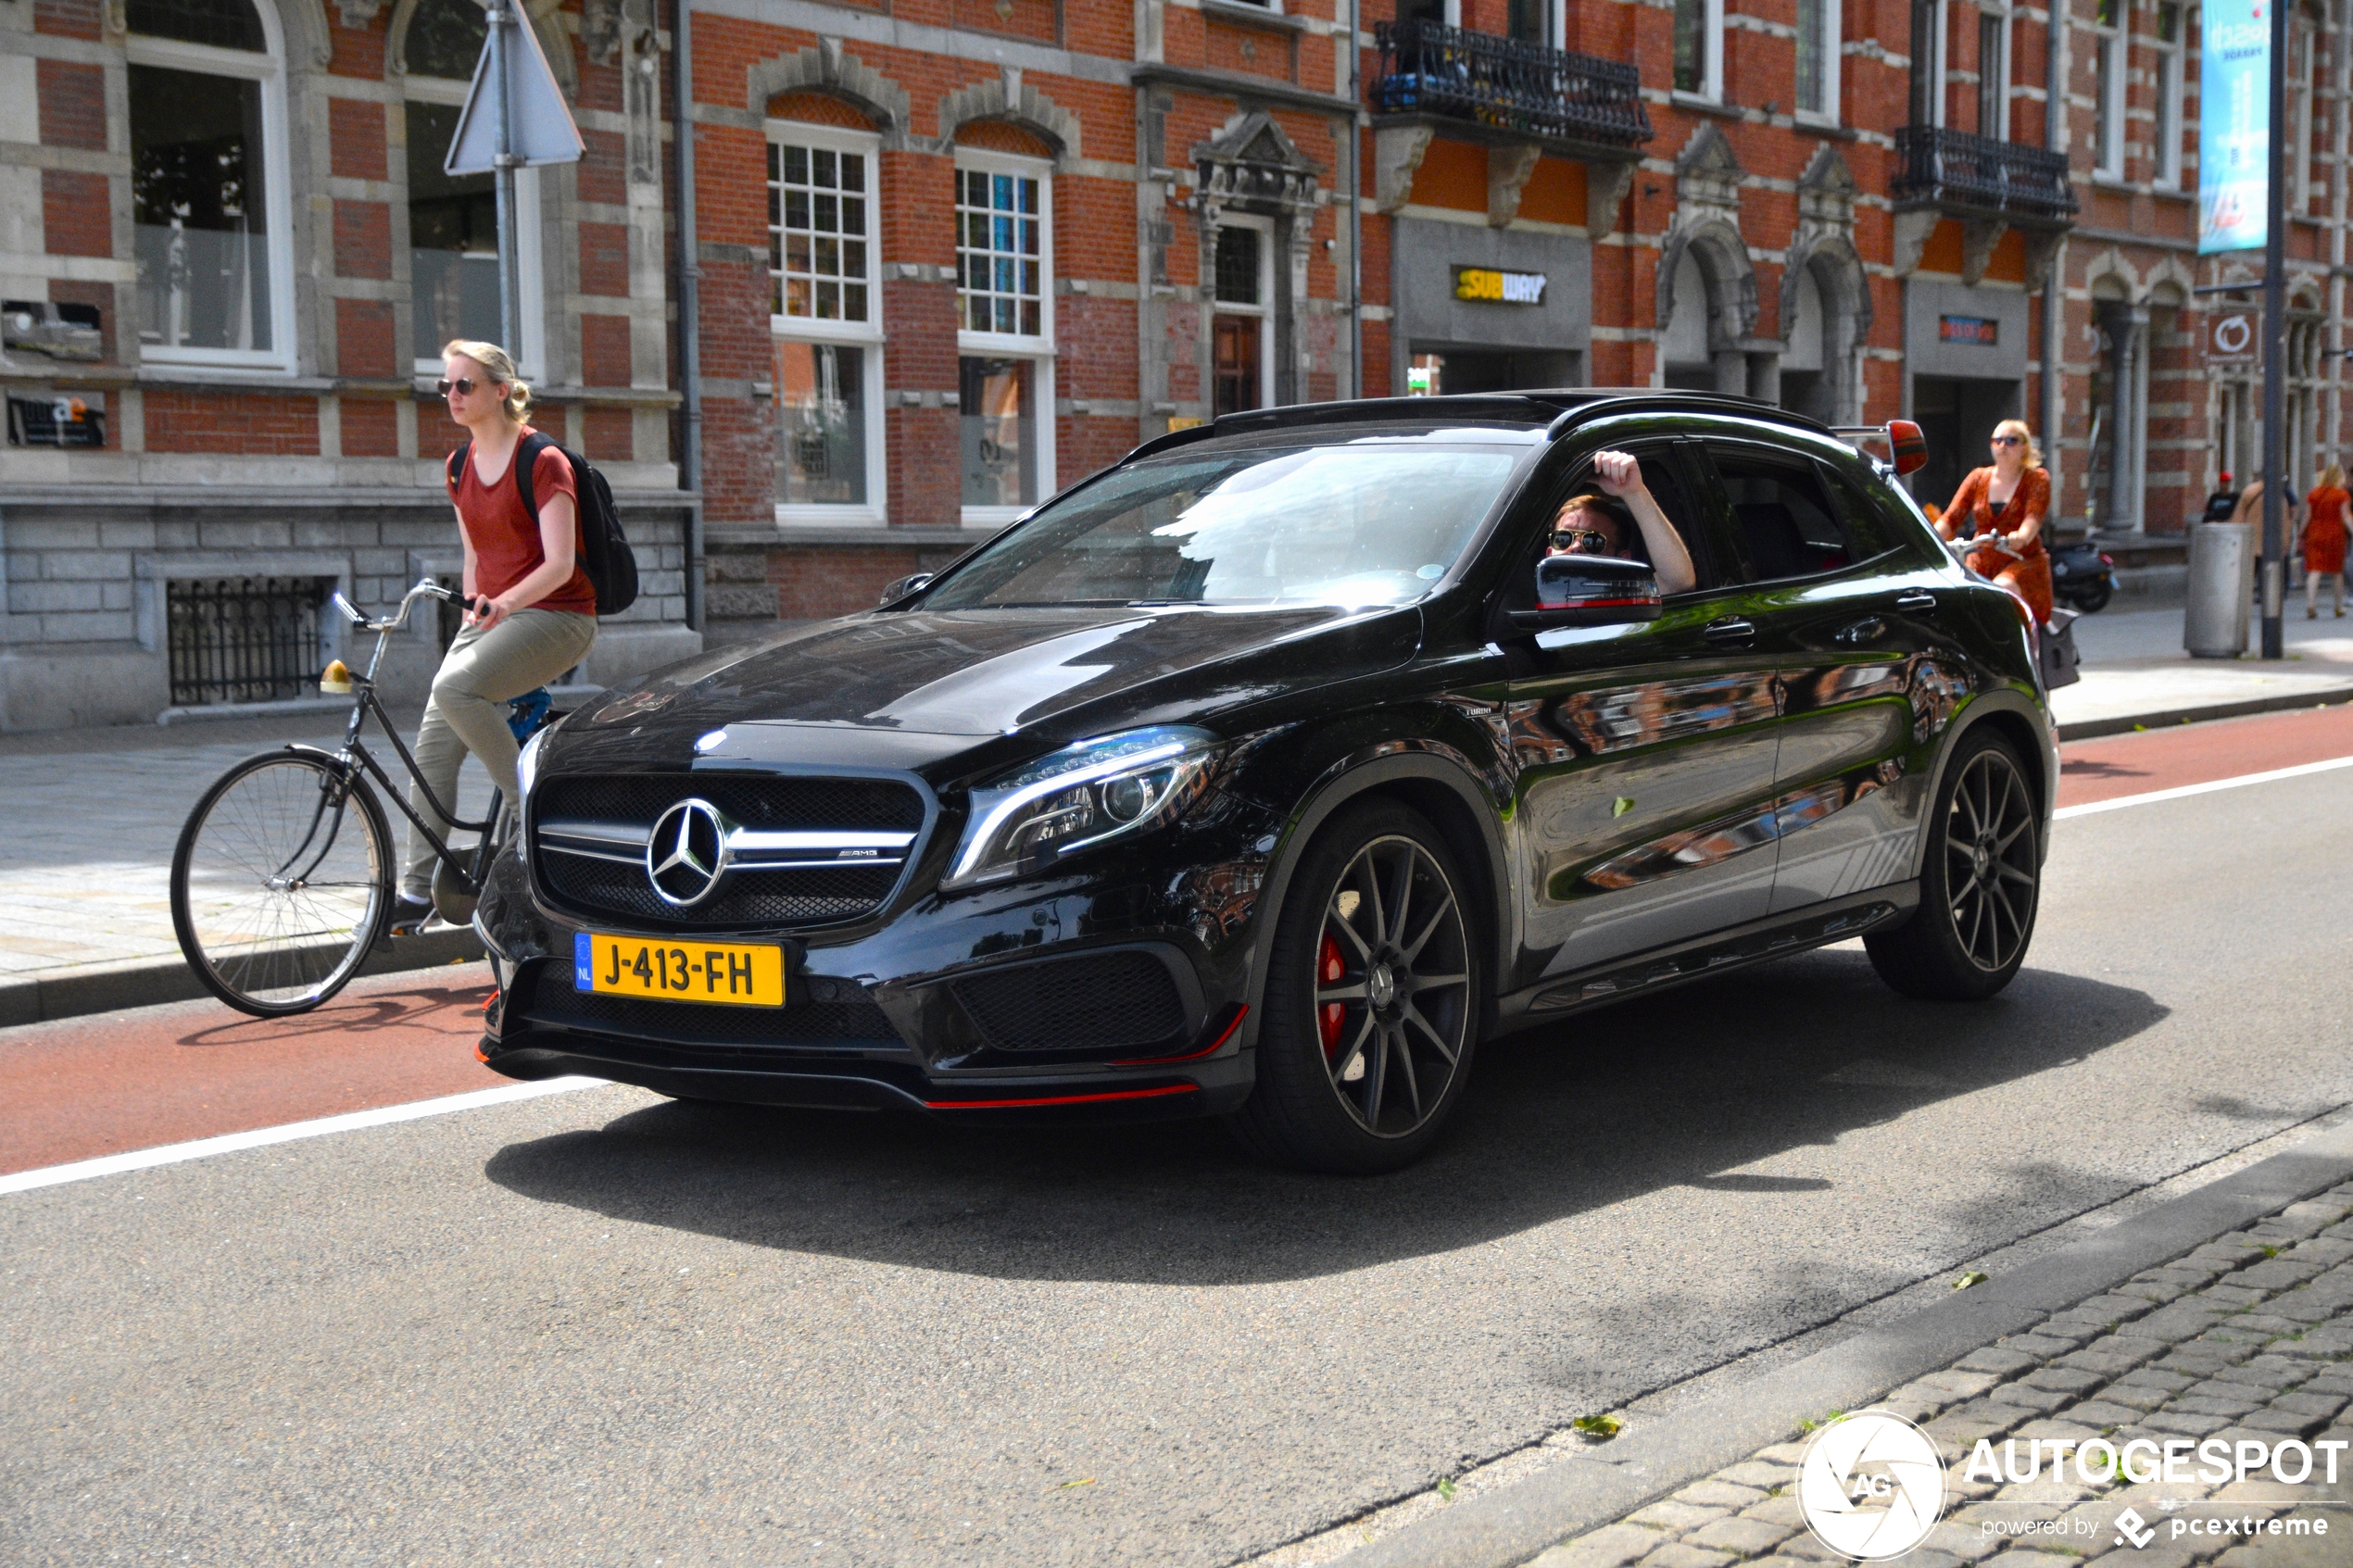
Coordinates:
1267 772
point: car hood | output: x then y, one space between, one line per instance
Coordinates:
902 688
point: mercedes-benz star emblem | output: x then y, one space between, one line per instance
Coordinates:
686 853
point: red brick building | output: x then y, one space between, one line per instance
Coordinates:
231 258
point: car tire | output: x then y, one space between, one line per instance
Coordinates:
1980 881
2093 599
1371 1004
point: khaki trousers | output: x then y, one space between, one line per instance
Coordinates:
482 672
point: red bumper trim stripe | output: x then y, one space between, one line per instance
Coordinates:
1058 1099
1210 1049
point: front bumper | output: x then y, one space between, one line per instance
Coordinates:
1116 988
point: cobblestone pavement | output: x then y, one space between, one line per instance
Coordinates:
2249 1338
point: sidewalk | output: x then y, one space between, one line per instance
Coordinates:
2136 674
2224 1315
85 923
85 913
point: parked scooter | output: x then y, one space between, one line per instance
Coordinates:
2083 576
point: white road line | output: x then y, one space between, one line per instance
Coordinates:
262 1137
2183 791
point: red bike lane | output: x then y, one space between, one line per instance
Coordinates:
80 1088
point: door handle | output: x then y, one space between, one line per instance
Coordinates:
1916 601
1730 632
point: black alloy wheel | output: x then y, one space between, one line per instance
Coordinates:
1981 880
1370 1009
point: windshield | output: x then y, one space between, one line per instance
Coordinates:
1351 524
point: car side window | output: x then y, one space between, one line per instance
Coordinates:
1670 485
1784 517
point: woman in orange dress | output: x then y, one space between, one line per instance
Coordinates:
2001 508
2325 542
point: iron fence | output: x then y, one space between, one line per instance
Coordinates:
1428 67
243 639
1942 164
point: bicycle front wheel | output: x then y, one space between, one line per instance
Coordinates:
281 883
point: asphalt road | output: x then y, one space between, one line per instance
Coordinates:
599 1327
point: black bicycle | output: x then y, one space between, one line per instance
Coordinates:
283 880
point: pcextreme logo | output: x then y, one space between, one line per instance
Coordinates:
1871 1487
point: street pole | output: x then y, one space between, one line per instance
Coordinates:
2275 477
503 179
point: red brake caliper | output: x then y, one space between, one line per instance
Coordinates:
1328 971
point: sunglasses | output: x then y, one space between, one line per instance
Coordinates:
463 386
2009 441
1582 539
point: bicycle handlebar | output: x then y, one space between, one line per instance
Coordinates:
425 589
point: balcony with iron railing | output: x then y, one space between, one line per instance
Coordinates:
1978 176
1508 85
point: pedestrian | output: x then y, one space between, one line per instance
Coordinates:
531 613
2325 542
2248 513
2222 503
2002 506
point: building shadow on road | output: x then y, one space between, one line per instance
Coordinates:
1681 1090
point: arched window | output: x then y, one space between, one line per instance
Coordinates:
453 219
1685 350
209 181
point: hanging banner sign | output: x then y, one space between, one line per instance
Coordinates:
2234 126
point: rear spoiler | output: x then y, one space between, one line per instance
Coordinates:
1905 447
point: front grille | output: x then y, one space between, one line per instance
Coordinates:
750 896
1112 1001
855 1022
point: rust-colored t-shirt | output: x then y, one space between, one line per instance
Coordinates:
505 539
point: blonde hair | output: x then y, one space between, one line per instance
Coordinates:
2332 477
2018 428
500 366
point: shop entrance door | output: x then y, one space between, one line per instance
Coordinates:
1499 369
1958 416
1238 363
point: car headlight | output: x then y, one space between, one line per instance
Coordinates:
1081 796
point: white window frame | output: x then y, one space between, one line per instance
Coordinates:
530 295
1711 57
1834 67
269 68
2171 92
1940 22
1263 310
2303 57
1995 92
2112 61
867 334
1018 345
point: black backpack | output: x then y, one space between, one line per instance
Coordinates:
605 555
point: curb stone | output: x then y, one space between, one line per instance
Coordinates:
147 982
2133 1293
2099 729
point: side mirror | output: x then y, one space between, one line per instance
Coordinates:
1908 445
905 586
1589 591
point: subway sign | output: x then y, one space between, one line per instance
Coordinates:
1488 285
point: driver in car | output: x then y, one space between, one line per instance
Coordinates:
1601 523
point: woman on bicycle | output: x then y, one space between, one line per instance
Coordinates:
533 613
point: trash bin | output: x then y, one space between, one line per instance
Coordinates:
2222 586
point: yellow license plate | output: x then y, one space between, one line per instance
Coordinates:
678 970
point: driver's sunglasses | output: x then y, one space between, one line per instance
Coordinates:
463 386
1579 539
2009 441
